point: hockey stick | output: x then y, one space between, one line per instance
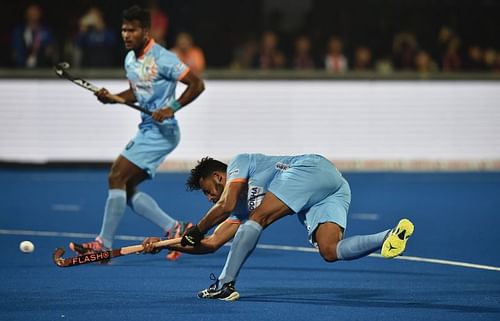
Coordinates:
61 70
104 255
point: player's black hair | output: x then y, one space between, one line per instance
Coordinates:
137 13
205 167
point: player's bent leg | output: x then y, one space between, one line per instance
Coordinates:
143 204
247 236
270 210
125 175
395 243
327 236
121 172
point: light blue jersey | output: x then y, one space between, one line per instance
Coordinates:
257 170
310 185
153 78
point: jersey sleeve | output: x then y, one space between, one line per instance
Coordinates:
238 168
171 67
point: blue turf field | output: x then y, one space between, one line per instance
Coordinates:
456 218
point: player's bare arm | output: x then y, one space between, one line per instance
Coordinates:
128 96
218 213
223 208
222 234
105 97
195 86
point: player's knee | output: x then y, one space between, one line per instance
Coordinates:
329 252
116 179
131 191
261 220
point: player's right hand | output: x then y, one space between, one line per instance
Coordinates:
192 237
104 96
148 245
161 114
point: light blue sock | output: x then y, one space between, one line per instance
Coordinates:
113 213
358 246
243 245
145 206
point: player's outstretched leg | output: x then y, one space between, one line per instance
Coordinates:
177 231
395 243
227 292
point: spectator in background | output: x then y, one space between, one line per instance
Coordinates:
489 58
188 53
445 36
362 59
159 24
244 53
269 56
96 44
474 59
424 63
384 65
496 65
335 60
404 50
302 58
33 44
451 60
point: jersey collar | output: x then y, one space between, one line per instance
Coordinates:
150 44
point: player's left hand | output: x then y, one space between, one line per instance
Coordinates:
148 245
162 114
192 237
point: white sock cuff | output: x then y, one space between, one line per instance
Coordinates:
254 225
136 196
339 254
116 192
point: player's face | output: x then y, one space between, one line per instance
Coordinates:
134 35
212 186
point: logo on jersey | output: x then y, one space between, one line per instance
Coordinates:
149 69
255 196
282 166
234 172
146 72
129 145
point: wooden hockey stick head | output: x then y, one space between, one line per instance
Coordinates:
80 259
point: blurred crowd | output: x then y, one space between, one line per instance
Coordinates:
94 43
407 55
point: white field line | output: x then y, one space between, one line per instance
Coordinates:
260 246
406 258
364 216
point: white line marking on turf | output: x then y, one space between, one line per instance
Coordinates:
260 246
65 207
365 216
67 234
406 258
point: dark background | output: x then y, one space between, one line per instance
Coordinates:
220 26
